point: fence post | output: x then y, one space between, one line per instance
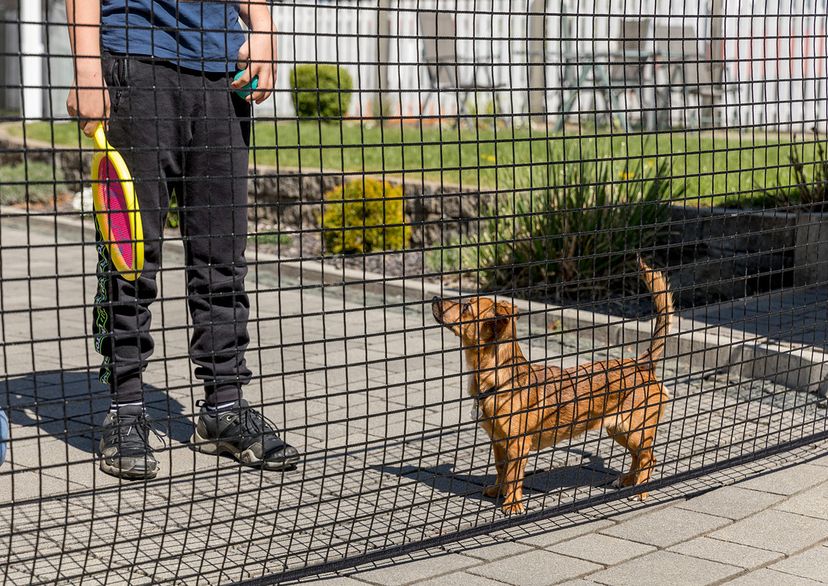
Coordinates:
536 57
31 62
383 55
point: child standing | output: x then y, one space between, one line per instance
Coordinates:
159 74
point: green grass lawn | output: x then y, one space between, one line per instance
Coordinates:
504 158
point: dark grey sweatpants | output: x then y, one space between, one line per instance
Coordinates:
186 133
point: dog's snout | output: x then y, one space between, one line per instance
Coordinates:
437 308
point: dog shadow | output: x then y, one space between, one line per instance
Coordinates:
71 406
592 472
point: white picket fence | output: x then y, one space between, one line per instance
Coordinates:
775 51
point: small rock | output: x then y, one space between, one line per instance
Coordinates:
82 201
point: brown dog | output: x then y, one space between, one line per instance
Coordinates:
525 407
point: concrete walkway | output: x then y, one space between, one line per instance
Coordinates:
769 530
371 390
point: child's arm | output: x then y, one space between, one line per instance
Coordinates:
258 54
88 98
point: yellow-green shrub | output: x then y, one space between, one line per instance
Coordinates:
364 215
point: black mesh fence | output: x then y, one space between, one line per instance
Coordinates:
404 287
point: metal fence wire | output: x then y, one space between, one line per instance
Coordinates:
397 299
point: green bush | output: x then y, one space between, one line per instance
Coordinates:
365 215
321 90
584 229
32 183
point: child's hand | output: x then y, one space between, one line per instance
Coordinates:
257 56
89 100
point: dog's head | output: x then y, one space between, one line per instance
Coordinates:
478 321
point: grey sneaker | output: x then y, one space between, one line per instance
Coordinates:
125 449
245 434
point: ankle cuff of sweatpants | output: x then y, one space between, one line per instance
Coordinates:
222 393
128 390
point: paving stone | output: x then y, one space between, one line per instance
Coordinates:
535 568
788 481
812 564
601 549
811 503
496 550
541 538
461 579
765 577
775 530
665 527
338 581
731 502
726 552
404 572
665 567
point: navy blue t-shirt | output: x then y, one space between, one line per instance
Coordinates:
195 34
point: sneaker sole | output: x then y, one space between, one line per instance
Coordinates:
246 457
127 474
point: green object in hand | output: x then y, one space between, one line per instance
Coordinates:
251 86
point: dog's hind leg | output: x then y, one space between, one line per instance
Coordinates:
499 455
639 442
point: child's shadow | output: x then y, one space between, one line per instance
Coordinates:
71 406
592 472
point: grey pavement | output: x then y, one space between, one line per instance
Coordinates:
372 392
699 542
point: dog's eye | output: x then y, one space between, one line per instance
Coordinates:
465 307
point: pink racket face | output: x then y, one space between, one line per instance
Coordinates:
112 194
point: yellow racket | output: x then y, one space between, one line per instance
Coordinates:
116 208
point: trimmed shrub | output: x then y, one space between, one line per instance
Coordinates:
321 90
364 215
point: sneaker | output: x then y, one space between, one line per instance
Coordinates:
245 434
125 449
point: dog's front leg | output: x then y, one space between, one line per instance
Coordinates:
517 454
499 455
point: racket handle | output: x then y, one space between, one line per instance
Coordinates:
100 139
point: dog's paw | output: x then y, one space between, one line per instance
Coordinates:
492 491
623 481
513 508
641 496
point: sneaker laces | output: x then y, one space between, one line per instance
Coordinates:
124 425
254 423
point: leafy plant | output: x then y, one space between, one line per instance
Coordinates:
813 189
173 215
578 232
365 215
809 185
321 90
271 239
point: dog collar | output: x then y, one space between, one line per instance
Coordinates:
485 394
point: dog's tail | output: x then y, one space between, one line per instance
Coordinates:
663 300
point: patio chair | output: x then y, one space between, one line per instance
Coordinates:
445 69
615 75
706 80
676 48
692 74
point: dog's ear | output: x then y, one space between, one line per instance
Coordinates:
504 314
